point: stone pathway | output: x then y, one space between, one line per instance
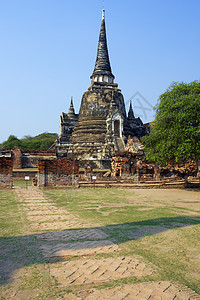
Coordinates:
87 271
42 214
77 239
71 235
161 290
79 248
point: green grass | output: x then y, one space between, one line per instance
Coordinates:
174 251
10 219
163 234
19 250
22 183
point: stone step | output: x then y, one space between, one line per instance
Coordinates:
132 186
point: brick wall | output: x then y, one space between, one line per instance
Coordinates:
126 164
29 158
17 158
5 153
20 174
6 169
40 152
59 172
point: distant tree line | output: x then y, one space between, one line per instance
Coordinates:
42 141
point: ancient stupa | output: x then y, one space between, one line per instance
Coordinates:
101 127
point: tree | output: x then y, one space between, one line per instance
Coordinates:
42 141
11 142
175 134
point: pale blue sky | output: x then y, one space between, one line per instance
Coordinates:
48 51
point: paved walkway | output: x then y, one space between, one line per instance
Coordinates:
82 242
161 290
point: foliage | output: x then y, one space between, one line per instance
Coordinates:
42 141
175 134
11 142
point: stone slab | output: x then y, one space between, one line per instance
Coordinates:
32 205
88 271
79 248
161 290
60 225
69 235
42 212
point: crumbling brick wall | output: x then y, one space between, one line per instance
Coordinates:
29 158
5 153
6 169
180 170
59 172
125 163
17 158
130 164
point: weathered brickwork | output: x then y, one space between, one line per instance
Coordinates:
29 158
6 169
17 158
134 164
20 174
59 172
5 153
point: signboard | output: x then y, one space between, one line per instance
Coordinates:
27 178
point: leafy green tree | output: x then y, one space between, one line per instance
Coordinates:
46 143
11 142
42 141
175 134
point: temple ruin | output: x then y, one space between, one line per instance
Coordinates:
102 125
6 172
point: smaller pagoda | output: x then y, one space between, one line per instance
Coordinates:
67 123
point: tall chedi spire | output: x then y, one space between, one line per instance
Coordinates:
101 127
102 114
102 70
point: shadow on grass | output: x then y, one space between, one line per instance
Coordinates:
20 251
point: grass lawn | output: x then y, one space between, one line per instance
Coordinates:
19 251
22 183
10 219
162 227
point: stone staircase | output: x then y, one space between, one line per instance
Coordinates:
132 184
